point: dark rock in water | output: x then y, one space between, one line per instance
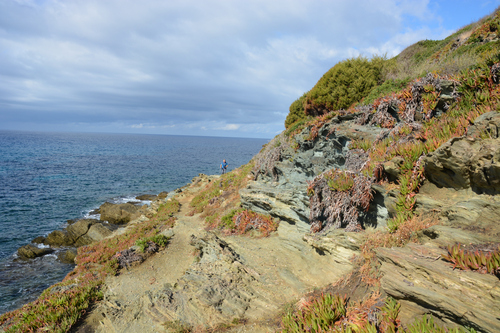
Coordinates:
146 197
38 240
118 213
31 251
58 238
162 195
83 232
71 221
67 256
95 212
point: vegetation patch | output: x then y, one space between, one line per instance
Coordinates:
336 197
221 195
334 313
345 83
219 203
478 260
297 112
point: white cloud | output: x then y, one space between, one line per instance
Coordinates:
150 65
229 127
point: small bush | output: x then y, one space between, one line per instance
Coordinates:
336 197
297 112
158 239
386 88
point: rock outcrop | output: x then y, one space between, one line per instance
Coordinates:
469 162
118 213
460 190
31 251
284 194
82 232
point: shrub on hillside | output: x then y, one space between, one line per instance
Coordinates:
344 84
297 112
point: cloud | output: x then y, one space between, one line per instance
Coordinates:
229 127
180 67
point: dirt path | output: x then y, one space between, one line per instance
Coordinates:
285 268
168 265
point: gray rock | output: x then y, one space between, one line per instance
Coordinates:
285 195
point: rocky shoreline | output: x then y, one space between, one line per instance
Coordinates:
109 217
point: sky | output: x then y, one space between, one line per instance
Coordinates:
227 68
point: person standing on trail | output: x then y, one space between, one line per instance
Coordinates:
223 167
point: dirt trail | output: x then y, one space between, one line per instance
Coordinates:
168 265
284 266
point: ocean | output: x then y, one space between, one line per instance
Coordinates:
49 178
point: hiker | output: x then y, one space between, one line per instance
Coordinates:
223 166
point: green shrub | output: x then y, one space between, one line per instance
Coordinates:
158 239
385 89
227 220
296 112
344 84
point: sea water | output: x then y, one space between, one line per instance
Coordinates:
49 178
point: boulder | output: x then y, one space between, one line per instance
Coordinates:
393 168
78 230
144 197
486 125
67 256
58 238
162 195
118 213
31 251
38 240
99 231
415 276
